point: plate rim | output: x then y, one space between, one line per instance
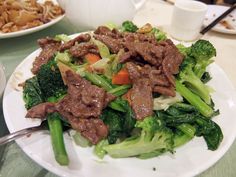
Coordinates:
31 30
53 169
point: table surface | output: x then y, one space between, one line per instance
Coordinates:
13 161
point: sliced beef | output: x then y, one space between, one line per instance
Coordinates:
158 80
133 70
141 98
79 39
92 129
149 52
172 60
108 98
169 91
84 100
49 48
80 50
103 30
41 110
113 44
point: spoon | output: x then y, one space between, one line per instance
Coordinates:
10 137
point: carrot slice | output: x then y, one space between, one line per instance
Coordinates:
121 78
92 58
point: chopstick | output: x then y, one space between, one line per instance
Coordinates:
212 24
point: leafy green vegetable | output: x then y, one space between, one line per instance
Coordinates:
62 37
159 35
50 80
202 51
119 123
194 100
206 77
80 140
56 132
120 90
98 80
187 129
103 49
116 65
32 94
210 131
181 138
98 150
115 121
64 57
129 26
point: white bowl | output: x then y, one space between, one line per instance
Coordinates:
2 79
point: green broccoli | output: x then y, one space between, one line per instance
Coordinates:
153 137
32 94
202 51
129 26
50 80
192 81
159 35
183 49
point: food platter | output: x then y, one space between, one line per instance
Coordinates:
33 29
84 163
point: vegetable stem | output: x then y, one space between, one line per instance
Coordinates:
97 80
194 100
55 127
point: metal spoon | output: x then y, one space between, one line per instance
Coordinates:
8 138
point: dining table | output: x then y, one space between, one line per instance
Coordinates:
15 163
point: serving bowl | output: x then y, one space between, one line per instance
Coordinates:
88 14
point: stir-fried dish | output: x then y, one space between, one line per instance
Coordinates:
16 15
130 92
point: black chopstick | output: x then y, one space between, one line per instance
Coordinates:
212 24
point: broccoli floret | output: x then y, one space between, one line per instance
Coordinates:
183 49
189 78
32 94
50 80
202 51
148 141
129 26
159 35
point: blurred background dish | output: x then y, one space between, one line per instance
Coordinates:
227 25
2 79
20 17
88 14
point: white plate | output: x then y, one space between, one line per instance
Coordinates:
189 160
34 29
2 79
215 11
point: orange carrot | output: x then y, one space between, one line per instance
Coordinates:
121 78
92 58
